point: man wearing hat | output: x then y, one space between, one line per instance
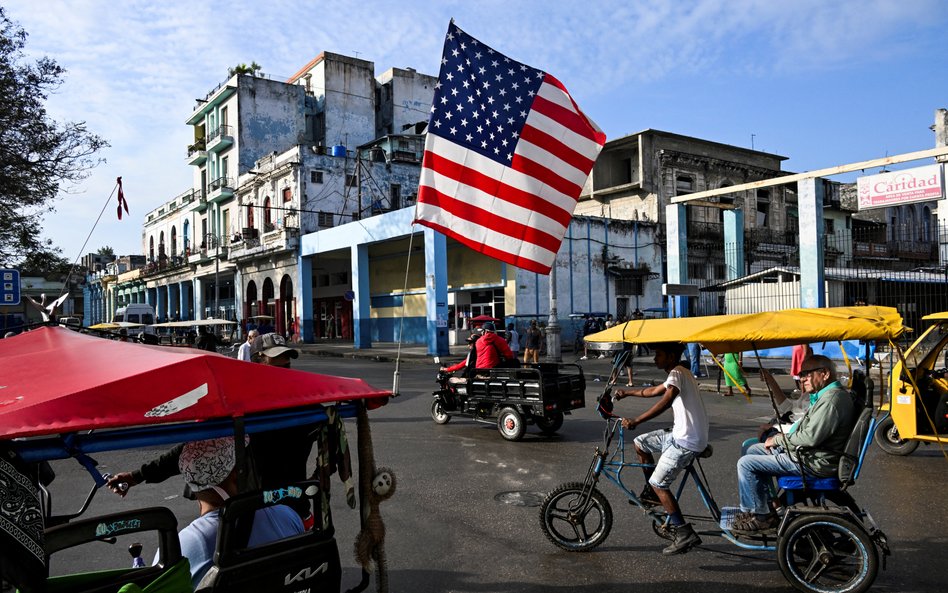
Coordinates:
491 348
271 349
468 364
208 469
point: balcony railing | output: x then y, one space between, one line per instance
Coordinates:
219 138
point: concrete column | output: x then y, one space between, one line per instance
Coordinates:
436 292
941 209
183 300
362 301
676 230
198 299
812 285
734 243
305 266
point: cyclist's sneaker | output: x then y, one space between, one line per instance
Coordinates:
751 524
648 497
685 539
583 357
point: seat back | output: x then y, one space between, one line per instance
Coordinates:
855 451
306 561
170 575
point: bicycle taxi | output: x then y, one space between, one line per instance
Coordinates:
69 395
825 541
918 402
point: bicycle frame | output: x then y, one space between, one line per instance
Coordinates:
611 465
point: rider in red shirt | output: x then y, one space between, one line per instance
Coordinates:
491 348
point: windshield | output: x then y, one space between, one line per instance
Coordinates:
935 338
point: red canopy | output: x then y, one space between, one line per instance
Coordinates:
57 380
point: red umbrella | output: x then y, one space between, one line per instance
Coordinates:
483 318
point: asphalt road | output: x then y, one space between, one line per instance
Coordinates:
465 514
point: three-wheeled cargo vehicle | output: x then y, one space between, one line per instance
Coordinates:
68 395
539 394
824 541
918 399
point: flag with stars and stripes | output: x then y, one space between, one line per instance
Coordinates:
506 156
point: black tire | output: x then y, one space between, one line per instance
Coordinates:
571 527
549 424
887 437
827 554
511 424
438 414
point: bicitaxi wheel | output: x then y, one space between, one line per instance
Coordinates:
888 439
438 414
827 553
550 423
575 518
511 424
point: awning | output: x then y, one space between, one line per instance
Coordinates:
56 380
739 333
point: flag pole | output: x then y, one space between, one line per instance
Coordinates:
553 325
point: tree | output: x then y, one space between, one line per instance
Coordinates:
106 251
253 69
38 156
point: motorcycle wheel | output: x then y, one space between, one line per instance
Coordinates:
548 425
887 437
573 524
511 424
822 553
438 414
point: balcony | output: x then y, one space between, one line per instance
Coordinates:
280 239
220 189
197 153
220 139
705 231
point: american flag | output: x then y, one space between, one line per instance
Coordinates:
506 156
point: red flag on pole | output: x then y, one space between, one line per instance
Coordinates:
506 156
121 198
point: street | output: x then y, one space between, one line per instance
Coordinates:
465 513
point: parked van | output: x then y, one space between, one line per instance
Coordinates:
135 313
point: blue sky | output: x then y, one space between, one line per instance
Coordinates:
823 83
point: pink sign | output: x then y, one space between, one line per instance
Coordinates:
922 184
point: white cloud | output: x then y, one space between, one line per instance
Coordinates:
135 67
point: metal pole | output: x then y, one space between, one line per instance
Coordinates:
553 326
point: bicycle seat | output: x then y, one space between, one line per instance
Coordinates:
708 452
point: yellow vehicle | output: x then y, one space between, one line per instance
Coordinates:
918 406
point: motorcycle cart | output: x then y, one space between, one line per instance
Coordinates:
69 395
825 541
540 394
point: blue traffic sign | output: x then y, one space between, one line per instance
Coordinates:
9 287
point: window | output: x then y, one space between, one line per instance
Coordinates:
351 180
829 226
315 176
763 207
395 196
267 215
287 195
684 184
697 271
325 219
630 285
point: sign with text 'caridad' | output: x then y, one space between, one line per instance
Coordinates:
921 184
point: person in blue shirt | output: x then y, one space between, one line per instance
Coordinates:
208 469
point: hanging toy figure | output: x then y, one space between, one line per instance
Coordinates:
376 485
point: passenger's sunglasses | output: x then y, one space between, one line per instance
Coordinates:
807 373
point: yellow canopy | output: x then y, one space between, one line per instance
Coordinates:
115 325
772 329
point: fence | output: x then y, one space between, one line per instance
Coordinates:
904 268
